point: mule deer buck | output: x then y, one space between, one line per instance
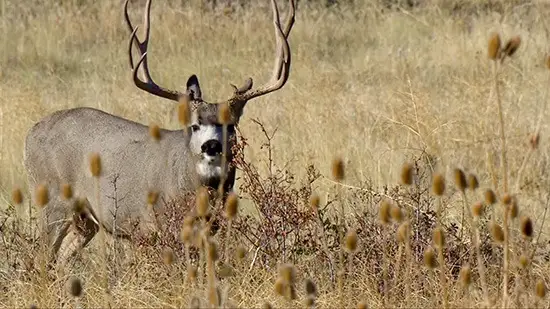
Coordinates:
57 149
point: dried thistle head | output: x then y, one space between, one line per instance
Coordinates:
42 196
477 209
152 197
95 164
231 205
439 237
314 202
526 227
288 273
361 305
511 46
75 287
396 213
154 132
496 232
184 111
384 212
403 232
191 273
438 184
540 288
240 253
407 174
212 252
535 138
490 197
224 114
473 183
523 261
186 234
311 289
513 209
168 256
460 179
506 199
351 241
465 276
429 258
267 306
493 50
202 202
17 196
338 169
67 191
547 62
280 286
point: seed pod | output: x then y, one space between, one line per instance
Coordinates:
493 49
311 289
396 213
75 287
202 202
496 232
473 183
540 289
490 197
407 174
384 211
511 46
460 179
17 196
465 276
523 261
429 258
154 132
224 114
168 257
95 164
438 184
231 205
477 209
42 195
351 241
67 191
338 169
526 227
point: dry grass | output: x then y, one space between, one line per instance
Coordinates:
373 86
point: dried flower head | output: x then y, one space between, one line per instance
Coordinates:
338 169
212 251
351 241
231 205
42 196
548 62
361 305
280 286
439 237
224 113
465 276
506 199
496 232
288 273
429 258
513 208
75 287
493 49
534 141
490 197
184 111
523 261
460 179
154 132
403 232
384 212
152 197
473 183
396 213
540 288
477 209
95 164
311 289
526 227
240 253
438 184
67 191
314 202
17 196
407 174
511 46
202 202
168 256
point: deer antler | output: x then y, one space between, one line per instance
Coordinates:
148 84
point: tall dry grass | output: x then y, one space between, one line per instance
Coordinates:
374 86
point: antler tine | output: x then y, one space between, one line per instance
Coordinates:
281 68
148 84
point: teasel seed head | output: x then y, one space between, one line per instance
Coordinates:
338 169
202 202
17 196
494 46
511 46
460 180
396 213
75 287
439 237
523 261
384 211
168 256
154 132
314 202
473 183
506 199
429 258
231 205
496 232
548 62
540 289
95 164
288 273
465 276
407 174
184 111
403 232
361 305
280 286
240 253
224 114
535 139
42 195
311 289
152 197
514 209
527 229
438 184
351 241
490 197
212 251
67 191
477 209
187 234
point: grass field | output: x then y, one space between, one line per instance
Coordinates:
374 86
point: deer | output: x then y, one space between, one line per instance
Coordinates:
58 147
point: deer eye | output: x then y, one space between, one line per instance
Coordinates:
195 127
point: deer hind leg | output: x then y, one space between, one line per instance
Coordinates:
79 233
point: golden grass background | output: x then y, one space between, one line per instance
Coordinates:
373 85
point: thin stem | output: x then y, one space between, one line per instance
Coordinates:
502 133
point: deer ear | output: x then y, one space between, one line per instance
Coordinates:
193 88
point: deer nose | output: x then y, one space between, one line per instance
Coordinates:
212 147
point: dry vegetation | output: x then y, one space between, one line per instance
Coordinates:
408 97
